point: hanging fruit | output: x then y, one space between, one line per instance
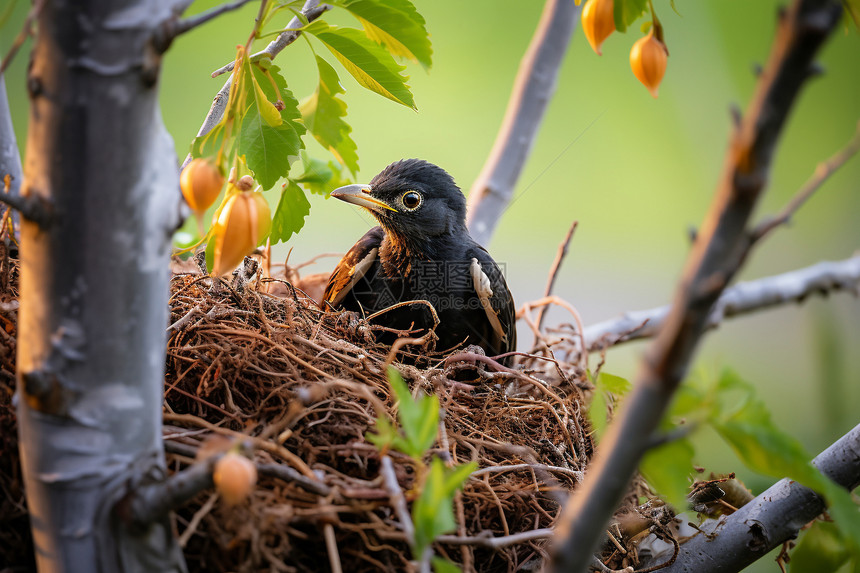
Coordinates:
243 223
648 59
201 183
598 22
234 476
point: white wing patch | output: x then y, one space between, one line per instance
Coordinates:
358 271
481 282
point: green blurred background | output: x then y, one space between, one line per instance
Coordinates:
635 172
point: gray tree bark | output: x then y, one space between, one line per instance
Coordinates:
94 285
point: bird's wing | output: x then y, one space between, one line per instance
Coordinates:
496 299
352 267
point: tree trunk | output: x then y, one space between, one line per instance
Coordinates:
94 285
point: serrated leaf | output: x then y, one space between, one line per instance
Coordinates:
290 213
396 24
369 64
264 79
628 11
268 150
820 549
319 177
667 468
323 112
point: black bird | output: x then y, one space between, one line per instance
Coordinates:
423 251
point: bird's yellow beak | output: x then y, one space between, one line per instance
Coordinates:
360 195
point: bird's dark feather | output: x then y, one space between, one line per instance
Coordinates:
424 255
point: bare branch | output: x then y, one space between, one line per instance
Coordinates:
733 542
26 32
397 499
311 11
533 88
151 503
720 249
175 27
743 298
491 542
822 173
553 273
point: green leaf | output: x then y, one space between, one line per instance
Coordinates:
598 410
418 418
208 145
615 384
820 549
441 565
369 64
627 12
267 109
667 468
319 177
433 511
290 213
396 24
210 254
268 150
744 422
323 112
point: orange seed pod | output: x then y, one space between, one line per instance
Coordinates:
234 477
242 224
201 183
648 59
598 22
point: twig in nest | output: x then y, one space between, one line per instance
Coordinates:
331 548
195 521
553 272
577 475
525 312
397 499
487 540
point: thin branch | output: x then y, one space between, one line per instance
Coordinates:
397 499
822 173
288 474
491 542
331 548
26 32
720 249
533 88
735 541
174 28
311 11
152 502
553 273
577 475
743 298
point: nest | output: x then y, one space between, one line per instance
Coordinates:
305 387
254 360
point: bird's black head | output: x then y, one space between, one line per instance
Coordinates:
412 199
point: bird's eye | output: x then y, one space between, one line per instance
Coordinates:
411 200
